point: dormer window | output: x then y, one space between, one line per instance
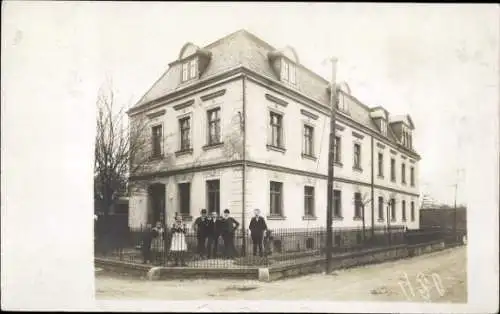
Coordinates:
383 127
342 104
189 70
288 71
406 139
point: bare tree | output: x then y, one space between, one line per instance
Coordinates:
365 200
119 149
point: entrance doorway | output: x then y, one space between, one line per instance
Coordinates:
156 208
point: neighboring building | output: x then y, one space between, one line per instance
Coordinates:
241 92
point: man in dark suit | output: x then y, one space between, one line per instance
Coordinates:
201 226
257 227
213 233
228 227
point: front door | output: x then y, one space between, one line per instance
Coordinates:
157 203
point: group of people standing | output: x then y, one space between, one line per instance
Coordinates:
209 229
153 242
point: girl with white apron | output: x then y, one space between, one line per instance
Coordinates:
178 245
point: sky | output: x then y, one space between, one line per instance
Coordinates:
435 62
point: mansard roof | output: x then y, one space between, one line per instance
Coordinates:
243 48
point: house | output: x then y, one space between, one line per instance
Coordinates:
239 124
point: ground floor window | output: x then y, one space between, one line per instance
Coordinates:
309 201
276 198
380 208
184 198
213 196
412 211
337 204
393 209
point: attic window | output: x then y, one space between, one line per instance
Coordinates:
189 69
407 138
342 104
288 71
383 127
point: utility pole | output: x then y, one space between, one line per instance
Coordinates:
455 215
244 169
455 207
331 152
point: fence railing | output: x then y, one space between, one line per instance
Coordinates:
277 246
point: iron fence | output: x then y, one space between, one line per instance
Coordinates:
226 251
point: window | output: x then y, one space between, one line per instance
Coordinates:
412 176
288 71
156 134
380 208
342 104
276 130
309 243
403 210
410 142
184 125
357 156
292 73
213 196
403 173
412 211
285 70
358 203
337 149
184 198
309 201
380 164
189 70
192 69
393 209
383 126
213 117
337 204
275 198
308 140
393 169
185 69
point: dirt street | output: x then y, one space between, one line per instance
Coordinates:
435 277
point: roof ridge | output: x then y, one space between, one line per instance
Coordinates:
216 42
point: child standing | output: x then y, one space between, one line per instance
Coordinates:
179 246
147 238
158 243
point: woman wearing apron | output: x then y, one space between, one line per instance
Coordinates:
178 246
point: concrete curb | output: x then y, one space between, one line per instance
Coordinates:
264 274
154 273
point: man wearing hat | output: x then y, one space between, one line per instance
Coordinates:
201 225
228 227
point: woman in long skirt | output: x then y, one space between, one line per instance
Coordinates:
178 246
158 243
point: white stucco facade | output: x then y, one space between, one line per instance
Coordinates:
247 98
